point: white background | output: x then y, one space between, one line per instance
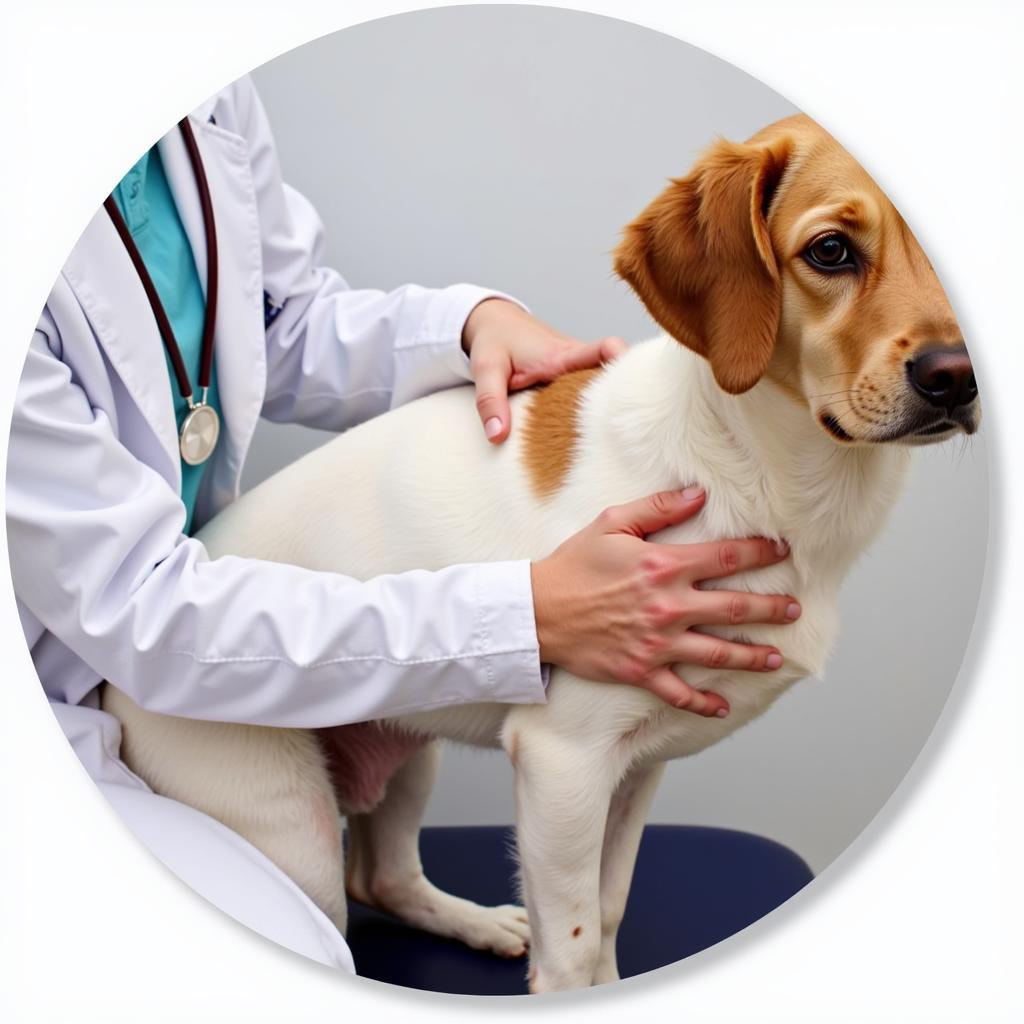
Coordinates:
918 920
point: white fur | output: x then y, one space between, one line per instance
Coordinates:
421 488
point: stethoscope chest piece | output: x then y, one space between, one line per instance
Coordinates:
199 432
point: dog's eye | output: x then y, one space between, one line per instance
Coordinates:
830 252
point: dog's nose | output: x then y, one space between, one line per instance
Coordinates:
943 376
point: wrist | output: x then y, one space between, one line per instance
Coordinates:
483 313
542 615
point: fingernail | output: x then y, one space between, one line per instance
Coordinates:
721 713
792 610
773 661
492 428
692 492
781 548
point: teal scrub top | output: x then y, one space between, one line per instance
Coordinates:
147 205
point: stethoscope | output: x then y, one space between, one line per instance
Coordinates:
201 427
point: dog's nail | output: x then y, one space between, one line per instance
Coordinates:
692 492
721 713
792 610
773 661
781 548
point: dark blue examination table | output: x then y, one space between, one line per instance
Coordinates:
692 888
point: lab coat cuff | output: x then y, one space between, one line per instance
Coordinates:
507 634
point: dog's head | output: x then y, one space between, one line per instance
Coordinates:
781 257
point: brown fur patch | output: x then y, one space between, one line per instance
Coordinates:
700 258
550 431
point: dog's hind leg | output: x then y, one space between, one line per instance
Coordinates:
625 825
563 788
271 786
384 868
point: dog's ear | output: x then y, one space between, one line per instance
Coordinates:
701 259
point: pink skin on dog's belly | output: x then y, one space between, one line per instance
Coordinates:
361 758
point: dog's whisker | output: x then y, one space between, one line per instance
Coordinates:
831 394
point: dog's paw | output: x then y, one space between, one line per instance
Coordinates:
504 930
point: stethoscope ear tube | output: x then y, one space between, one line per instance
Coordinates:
210 229
198 433
166 331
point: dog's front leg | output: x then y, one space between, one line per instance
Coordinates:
625 826
385 869
563 788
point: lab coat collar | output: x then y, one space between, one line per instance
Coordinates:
123 320
205 110
178 170
107 287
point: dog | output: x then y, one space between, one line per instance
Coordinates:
808 347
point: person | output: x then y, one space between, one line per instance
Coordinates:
103 498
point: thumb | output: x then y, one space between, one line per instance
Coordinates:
492 400
655 512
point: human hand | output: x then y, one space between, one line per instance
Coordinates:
613 607
509 349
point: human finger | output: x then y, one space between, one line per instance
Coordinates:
612 347
678 693
584 356
729 607
714 652
491 379
714 559
653 512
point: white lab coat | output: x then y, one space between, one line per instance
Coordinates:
107 585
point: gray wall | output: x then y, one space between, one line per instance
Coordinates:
507 146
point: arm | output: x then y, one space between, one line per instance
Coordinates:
97 555
337 355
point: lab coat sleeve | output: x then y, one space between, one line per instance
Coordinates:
337 355
98 556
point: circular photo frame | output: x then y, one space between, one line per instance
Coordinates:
739 440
